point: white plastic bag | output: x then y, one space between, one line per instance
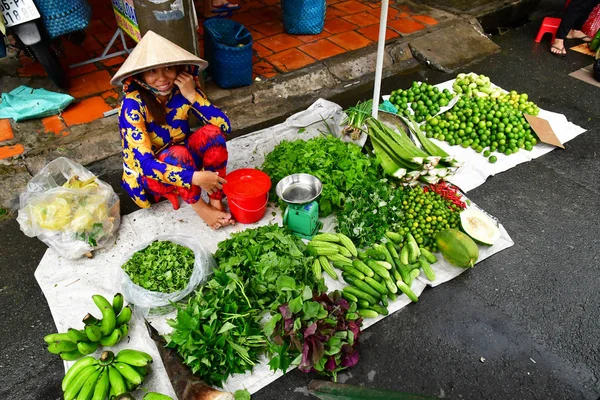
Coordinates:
150 300
74 219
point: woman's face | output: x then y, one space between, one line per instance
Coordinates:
161 78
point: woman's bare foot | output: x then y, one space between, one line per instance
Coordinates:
575 34
210 215
558 48
218 205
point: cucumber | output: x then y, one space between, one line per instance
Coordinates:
396 274
407 291
430 257
344 251
321 251
375 254
367 313
384 301
380 310
392 250
378 269
327 267
392 296
385 265
403 269
388 256
350 297
362 255
404 255
349 278
365 287
316 269
326 237
360 294
413 248
376 285
390 285
362 303
429 273
340 264
339 257
362 267
350 270
347 243
394 236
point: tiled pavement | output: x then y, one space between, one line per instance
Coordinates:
349 25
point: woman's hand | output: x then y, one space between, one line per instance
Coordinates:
187 86
208 180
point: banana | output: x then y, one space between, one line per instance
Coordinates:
130 386
142 370
87 390
102 386
124 316
117 382
111 339
89 319
106 358
109 319
111 392
75 335
93 333
56 337
134 357
87 347
124 330
156 396
78 381
61 346
76 369
129 373
117 303
71 355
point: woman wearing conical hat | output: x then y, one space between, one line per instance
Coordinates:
162 157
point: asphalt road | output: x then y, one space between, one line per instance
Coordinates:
523 324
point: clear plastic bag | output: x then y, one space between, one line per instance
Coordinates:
151 301
67 207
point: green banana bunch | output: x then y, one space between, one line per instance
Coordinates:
156 396
108 331
109 375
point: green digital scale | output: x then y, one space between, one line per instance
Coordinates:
299 192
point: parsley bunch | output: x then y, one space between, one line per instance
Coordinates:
163 266
339 165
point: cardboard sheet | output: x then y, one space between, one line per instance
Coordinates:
69 285
586 74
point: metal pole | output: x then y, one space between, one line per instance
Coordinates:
380 52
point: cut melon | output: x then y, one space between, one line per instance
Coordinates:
479 226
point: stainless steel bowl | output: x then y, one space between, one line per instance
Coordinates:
299 188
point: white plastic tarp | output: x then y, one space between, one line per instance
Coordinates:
69 284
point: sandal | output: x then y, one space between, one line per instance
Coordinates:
226 7
585 38
562 52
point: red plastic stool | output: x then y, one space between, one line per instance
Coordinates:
549 25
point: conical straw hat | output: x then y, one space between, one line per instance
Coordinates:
155 51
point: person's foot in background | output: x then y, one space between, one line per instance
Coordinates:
575 34
558 48
216 7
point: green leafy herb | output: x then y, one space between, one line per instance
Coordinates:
163 266
339 165
219 333
369 211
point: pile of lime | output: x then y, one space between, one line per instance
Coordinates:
423 99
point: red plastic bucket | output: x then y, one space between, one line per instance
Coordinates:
247 192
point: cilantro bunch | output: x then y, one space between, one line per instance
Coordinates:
339 165
163 266
369 211
317 333
218 333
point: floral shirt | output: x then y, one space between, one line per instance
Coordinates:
142 138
